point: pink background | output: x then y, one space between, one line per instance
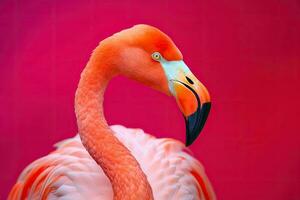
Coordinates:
247 53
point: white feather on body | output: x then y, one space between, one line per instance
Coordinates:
76 176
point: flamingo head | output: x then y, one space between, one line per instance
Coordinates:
152 58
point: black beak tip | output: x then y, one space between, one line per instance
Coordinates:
195 123
188 141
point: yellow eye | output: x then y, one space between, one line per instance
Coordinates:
156 56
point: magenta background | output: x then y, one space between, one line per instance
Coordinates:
247 53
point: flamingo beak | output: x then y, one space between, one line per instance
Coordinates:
194 102
191 96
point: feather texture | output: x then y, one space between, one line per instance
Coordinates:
70 173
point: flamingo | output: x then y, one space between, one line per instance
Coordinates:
113 162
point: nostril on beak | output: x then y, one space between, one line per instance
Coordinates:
189 80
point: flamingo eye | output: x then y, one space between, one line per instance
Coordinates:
156 56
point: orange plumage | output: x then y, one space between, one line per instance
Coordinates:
114 162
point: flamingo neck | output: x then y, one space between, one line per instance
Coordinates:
125 174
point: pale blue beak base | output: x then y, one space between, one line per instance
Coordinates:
172 70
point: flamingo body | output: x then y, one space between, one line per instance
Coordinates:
70 173
113 162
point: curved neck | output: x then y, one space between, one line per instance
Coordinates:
127 179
